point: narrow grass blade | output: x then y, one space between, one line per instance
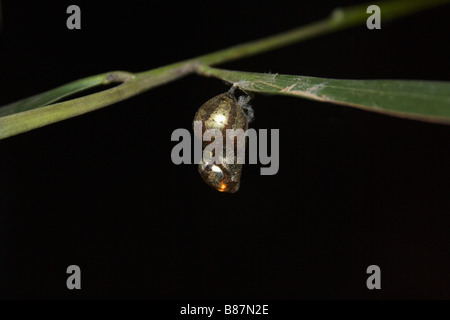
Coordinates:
61 92
419 100
39 110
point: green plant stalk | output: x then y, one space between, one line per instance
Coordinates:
340 18
26 115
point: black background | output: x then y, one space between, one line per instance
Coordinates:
100 190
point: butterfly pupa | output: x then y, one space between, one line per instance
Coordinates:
219 114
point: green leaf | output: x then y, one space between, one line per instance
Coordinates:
66 90
38 111
38 116
419 100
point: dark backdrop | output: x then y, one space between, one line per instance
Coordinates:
100 191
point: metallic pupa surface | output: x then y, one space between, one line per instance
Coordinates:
221 113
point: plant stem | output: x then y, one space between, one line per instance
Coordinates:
26 115
338 20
